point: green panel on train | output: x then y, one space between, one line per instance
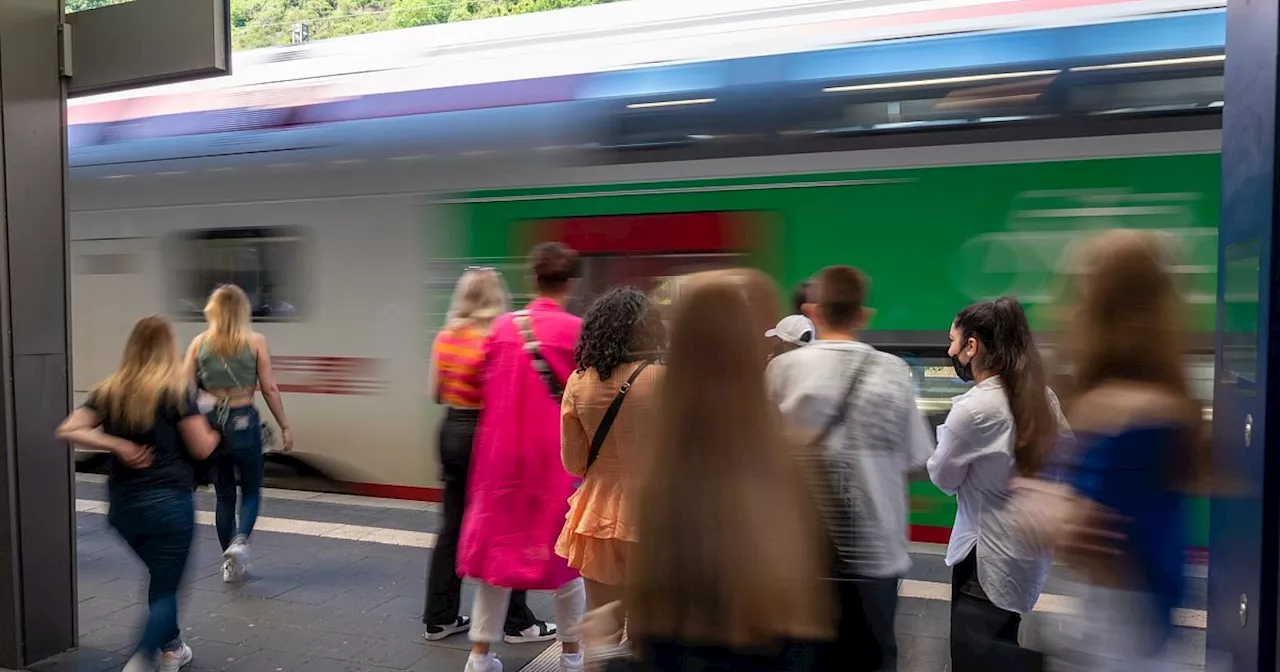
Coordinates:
932 239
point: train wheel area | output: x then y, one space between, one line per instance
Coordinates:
338 584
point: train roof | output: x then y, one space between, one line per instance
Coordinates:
590 69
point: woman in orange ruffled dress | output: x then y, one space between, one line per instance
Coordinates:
617 367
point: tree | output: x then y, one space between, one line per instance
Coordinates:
266 23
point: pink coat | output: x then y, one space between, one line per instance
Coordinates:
517 490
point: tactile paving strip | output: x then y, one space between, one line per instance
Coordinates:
547 661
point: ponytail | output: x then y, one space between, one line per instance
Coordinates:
1009 351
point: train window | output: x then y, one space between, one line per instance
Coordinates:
267 263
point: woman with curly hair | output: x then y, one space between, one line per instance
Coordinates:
606 424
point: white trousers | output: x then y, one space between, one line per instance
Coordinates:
489 612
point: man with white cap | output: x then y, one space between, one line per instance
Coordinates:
793 331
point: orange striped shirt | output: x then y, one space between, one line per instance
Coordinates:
457 356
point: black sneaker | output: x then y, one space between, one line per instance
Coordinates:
538 632
438 632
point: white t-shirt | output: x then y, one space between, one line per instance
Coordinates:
869 455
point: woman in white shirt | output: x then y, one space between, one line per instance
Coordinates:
1003 427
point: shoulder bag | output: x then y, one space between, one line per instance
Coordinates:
524 322
838 510
606 423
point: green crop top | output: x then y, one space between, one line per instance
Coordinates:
217 372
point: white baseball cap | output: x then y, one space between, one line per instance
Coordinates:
794 329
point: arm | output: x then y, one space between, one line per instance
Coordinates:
575 445
270 391
918 441
198 436
82 427
961 442
189 365
433 383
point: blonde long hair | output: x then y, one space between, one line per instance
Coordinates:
478 299
149 376
228 313
713 567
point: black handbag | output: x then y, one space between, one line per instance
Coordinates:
836 509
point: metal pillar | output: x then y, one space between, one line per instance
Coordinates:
37 523
1245 519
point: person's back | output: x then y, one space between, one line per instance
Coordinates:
219 372
884 439
855 409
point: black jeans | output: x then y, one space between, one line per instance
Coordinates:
983 636
444 586
865 640
159 525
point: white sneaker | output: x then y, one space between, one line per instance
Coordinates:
486 663
538 632
238 555
571 662
229 572
172 661
436 633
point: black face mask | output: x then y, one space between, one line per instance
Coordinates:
963 371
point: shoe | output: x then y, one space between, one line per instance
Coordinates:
235 561
571 662
230 573
436 633
538 632
172 661
486 663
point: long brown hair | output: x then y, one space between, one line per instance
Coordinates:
1009 351
1127 328
712 567
149 376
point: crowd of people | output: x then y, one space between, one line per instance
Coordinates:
712 488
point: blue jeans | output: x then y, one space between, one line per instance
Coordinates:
159 525
240 454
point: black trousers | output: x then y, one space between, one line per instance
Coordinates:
984 637
444 586
865 640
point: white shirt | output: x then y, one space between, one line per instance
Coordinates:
974 461
869 455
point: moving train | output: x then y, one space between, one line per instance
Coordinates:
953 150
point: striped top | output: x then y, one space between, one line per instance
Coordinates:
457 356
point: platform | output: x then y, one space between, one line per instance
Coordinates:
338 585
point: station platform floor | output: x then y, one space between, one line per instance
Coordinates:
338 585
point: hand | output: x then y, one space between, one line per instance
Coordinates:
1092 542
602 627
134 456
286 439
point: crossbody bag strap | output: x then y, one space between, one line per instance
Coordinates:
606 423
524 321
842 409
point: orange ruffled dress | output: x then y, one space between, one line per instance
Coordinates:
601 526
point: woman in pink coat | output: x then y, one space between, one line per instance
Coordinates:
518 493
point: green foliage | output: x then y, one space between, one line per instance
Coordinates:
266 23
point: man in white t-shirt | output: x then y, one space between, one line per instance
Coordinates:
858 407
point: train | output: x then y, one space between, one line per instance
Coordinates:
952 158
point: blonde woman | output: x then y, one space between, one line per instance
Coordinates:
457 358
229 361
145 415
